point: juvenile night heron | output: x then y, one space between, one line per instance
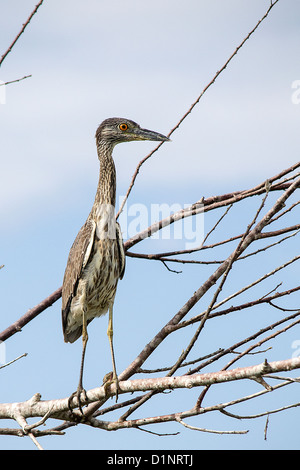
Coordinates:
97 259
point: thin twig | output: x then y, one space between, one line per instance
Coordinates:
235 308
14 360
21 32
195 428
17 80
266 427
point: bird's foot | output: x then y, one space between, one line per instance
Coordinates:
79 394
108 380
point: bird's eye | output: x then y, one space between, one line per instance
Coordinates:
123 127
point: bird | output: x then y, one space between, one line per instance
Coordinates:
96 259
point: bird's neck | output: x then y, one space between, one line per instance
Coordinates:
106 191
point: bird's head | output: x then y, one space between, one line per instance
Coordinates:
117 130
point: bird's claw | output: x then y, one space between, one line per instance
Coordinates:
108 380
79 392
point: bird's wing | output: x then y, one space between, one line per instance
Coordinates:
77 260
120 249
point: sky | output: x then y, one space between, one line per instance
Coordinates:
147 61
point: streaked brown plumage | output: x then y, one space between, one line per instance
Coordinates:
97 259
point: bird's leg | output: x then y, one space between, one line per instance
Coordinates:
110 333
80 388
84 343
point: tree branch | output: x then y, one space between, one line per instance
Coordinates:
21 32
59 409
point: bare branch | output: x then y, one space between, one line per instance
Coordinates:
29 315
14 360
17 80
59 409
195 428
21 32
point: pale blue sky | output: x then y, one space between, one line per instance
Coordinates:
147 61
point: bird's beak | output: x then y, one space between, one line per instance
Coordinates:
145 134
